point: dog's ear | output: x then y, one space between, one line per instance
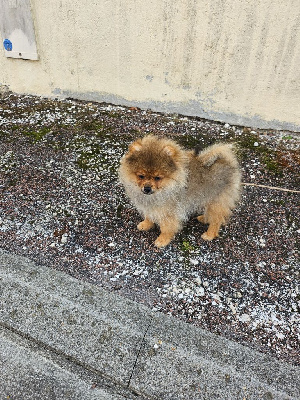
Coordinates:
170 150
135 146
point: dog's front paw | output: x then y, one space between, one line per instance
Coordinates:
145 225
208 237
162 241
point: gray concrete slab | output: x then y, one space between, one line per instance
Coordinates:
74 318
64 334
179 361
30 372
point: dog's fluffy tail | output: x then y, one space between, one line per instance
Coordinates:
216 152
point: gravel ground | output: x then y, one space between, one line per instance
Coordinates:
61 205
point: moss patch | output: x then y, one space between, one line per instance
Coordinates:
37 135
249 144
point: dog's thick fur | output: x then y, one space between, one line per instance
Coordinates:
168 184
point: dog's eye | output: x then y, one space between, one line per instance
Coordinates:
157 178
141 176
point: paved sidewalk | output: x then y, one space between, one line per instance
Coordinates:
64 339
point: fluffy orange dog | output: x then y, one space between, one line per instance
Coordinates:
168 184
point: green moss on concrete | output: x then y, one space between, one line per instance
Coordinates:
37 135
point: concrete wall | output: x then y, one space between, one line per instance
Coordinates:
236 61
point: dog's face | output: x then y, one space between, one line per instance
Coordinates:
151 165
149 182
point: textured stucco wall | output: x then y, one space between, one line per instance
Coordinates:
236 61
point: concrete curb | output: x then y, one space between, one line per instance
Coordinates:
69 339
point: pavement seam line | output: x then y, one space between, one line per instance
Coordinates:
68 359
139 351
270 187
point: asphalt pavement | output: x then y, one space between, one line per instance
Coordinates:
61 338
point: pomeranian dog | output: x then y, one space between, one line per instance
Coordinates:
168 184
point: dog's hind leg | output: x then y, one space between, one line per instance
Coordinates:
201 219
215 215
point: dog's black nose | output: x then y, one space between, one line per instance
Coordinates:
147 189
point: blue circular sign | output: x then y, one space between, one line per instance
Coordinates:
7 45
